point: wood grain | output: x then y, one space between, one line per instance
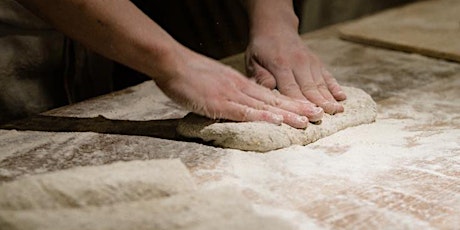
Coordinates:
431 28
401 172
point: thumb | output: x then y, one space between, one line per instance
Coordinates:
261 75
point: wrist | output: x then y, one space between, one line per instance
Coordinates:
165 61
271 18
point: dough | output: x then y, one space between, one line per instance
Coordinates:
214 209
97 185
263 137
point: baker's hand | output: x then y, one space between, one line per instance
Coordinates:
282 60
212 89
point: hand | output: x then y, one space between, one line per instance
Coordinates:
123 33
212 89
281 60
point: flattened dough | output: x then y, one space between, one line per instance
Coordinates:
263 137
97 185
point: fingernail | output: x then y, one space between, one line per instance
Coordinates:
315 113
302 119
330 107
317 110
338 108
277 118
340 95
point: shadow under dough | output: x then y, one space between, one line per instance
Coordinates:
165 129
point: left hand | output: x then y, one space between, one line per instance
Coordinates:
281 60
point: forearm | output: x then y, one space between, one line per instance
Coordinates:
116 29
271 16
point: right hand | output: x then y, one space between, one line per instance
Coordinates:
280 59
212 89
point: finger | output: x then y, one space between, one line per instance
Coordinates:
262 76
309 89
322 87
290 118
313 112
333 86
303 108
287 84
321 84
237 112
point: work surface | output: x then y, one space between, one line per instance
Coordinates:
401 172
429 27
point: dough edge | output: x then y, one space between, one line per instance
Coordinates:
360 109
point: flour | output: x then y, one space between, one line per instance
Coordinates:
400 172
263 137
95 186
214 209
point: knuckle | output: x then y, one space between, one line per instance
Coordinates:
288 87
321 85
331 81
258 73
279 61
260 106
266 81
245 114
313 58
274 101
327 74
335 88
301 55
308 88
